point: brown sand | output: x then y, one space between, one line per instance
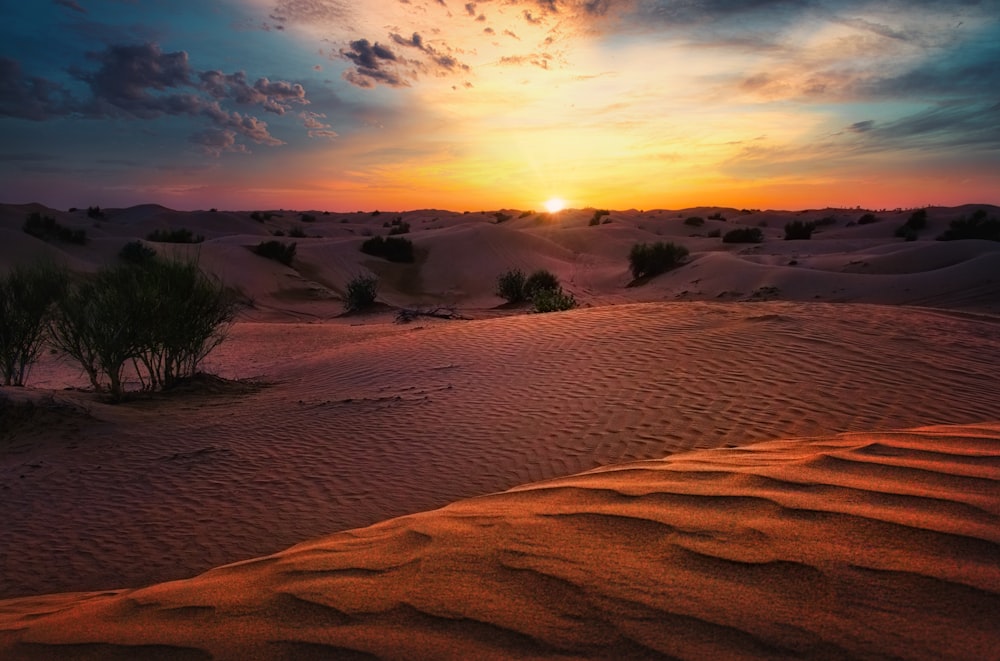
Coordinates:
872 544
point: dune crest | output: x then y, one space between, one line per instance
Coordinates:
863 545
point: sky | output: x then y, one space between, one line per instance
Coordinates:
347 105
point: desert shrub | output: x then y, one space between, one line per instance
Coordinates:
95 213
978 226
163 319
510 286
714 234
655 258
539 281
910 230
598 214
552 300
27 295
825 221
297 233
361 292
502 217
376 213
394 249
276 250
694 221
398 227
181 235
525 214
47 229
744 235
867 219
798 230
136 252
307 218
717 216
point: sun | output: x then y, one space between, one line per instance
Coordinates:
555 204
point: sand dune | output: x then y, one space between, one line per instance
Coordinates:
694 535
853 546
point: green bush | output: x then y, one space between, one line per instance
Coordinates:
655 258
798 230
510 286
910 230
361 293
181 235
47 229
867 219
297 233
27 295
276 250
694 221
394 249
136 252
539 281
552 300
976 227
743 235
398 227
163 319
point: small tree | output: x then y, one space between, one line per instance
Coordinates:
361 293
27 295
978 226
510 286
798 230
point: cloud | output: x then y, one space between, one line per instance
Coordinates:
316 128
373 64
30 97
216 141
140 81
861 127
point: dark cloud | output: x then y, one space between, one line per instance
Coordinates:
373 64
142 82
861 127
30 97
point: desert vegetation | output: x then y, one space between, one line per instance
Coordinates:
136 252
910 230
394 249
598 214
361 293
47 229
27 296
276 250
744 235
649 259
798 230
978 226
162 319
541 288
180 235
694 221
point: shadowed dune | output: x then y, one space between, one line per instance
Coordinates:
864 545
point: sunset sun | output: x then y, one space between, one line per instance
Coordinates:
555 204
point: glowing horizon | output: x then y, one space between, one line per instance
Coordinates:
487 105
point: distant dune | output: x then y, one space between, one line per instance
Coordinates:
598 483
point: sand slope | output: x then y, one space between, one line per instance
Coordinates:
853 546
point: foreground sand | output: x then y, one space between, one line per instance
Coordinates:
720 542
855 546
